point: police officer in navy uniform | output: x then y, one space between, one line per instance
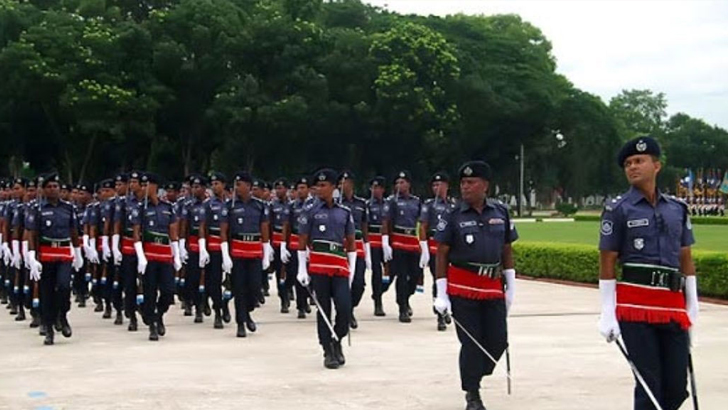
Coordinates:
328 228
192 216
53 250
21 286
246 249
375 209
474 262
215 213
280 215
401 214
297 207
156 244
655 303
81 279
359 212
5 253
432 211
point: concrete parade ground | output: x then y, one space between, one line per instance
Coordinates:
559 361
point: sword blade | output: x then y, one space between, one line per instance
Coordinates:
693 385
322 313
492 359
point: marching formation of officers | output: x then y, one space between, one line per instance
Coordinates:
214 240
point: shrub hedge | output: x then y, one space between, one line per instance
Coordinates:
695 220
580 263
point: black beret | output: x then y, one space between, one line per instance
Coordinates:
267 185
218 176
196 179
64 187
280 182
440 176
85 187
244 177
121 177
346 175
150 178
475 169
325 175
638 146
303 181
258 183
378 181
21 181
107 183
138 175
172 186
403 175
44 180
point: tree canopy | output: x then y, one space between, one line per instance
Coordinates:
279 87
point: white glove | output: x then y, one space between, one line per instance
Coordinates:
105 249
141 258
7 254
351 257
691 303
227 262
85 246
77 259
386 249
16 254
510 277
183 250
368 255
115 249
24 254
175 256
424 254
204 255
608 324
442 300
267 255
302 275
35 267
93 257
285 255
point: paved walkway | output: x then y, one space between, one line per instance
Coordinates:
559 362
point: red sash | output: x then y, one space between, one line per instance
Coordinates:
375 239
433 246
360 248
213 243
193 244
323 263
158 252
127 246
246 250
470 285
55 254
403 242
293 242
641 303
277 239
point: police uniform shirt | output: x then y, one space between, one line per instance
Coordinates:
280 213
80 212
91 216
19 211
215 212
155 218
245 217
325 223
297 207
358 208
432 211
375 209
126 209
643 234
52 221
193 212
474 237
403 211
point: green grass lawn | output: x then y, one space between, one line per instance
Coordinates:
707 237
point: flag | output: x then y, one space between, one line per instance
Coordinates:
724 187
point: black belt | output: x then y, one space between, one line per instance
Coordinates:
375 228
246 237
156 237
358 234
55 243
328 247
405 231
655 276
493 271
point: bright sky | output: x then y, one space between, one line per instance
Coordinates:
679 48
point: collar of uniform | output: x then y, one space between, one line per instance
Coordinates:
464 206
635 195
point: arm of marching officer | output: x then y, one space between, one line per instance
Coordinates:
365 237
350 244
443 237
76 242
687 267
138 245
174 241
